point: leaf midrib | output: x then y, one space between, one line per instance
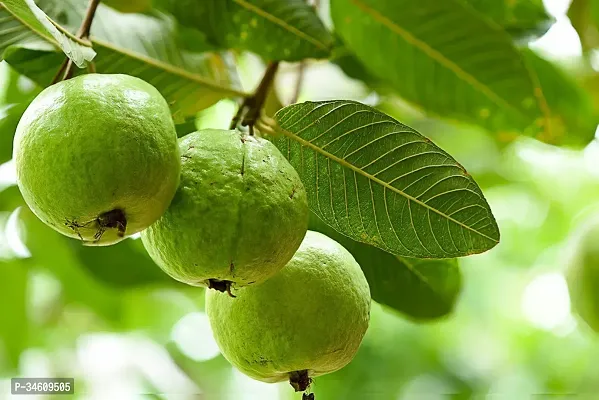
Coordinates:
169 68
281 23
377 180
48 38
439 57
414 271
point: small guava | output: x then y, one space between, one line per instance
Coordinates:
307 320
97 157
239 215
583 273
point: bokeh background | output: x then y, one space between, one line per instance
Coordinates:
112 320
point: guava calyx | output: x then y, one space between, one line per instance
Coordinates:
113 219
221 286
300 380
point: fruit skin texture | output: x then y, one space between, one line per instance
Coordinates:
93 144
311 316
583 274
239 215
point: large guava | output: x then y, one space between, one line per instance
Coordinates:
97 157
583 273
306 321
239 215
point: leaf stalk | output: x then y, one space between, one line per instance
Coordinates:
66 69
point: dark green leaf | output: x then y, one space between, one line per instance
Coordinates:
445 58
421 289
21 19
123 265
253 25
573 120
14 324
10 115
382 183
520 18
138 45
129 6
188 126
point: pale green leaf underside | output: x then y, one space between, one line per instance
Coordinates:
382 183
18 15
444 57
421 289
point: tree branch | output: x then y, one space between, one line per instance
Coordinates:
249 111
66 69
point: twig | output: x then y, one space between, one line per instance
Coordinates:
249 111
66 69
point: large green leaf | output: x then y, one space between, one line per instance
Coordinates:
380 182
584 15
19 17
123 266
520 18
10 115
573 120
421 289
138 45
14 324
274 29
445 58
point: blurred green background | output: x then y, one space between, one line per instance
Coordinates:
112 320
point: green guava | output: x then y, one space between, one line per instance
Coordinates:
583 274
97 157
239 215
307 320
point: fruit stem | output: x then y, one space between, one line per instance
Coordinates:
66 69
300 380
251 108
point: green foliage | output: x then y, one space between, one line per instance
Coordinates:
18 16
402 206
520 18
190 81
420 289
252 25
573 120
382 183
483 80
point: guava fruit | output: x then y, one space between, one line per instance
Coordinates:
307 320
583 273
97 157
239 215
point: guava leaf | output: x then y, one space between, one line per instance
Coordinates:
140 45
10 114
380 182
253 24
20 18
584 16
14 324
124 265
573 120
445 58
421 289
520 18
